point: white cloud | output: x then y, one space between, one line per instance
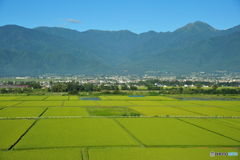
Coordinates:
73 21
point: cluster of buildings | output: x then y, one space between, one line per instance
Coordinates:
47 81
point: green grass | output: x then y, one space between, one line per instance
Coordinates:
57 98
41 154
12 130
215 127
22 112
80 103
8 103
40 104
47 133
211 111
110 111
114 103
159 153
162 111
31 98
172 132
9 98
73 98
146 103
65 111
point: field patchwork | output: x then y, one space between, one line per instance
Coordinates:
217 103
146 103
111 111
73 98
212 111
22 112
235 123
57 98
9 98
146 98
158 153
65 111
232 108
104 98
40 104
172 132
162 111
80 103
11 131
31 98
215 127
54 133
41 154
179 103
114 103
9 103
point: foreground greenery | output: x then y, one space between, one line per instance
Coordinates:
68 127
159 153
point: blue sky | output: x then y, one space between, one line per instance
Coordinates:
135 15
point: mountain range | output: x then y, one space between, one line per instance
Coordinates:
194 47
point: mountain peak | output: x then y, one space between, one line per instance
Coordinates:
196 27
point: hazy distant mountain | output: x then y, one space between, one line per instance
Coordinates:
110 47
194 47
217 53
31 52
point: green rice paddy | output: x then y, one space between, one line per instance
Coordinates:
215 127
235 123
156 132
73 98
9 98
114 103
40 104
65 111
146 128
57 98
9 103
158 153
22 112
80 103
41 154
146 103
31 98
163 111
211 111
12 130
217 103
179 103
50 133
111 111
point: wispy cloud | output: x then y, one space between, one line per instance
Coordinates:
73 21
58 20
63 25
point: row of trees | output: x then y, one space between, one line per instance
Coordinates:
88 87
16 90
